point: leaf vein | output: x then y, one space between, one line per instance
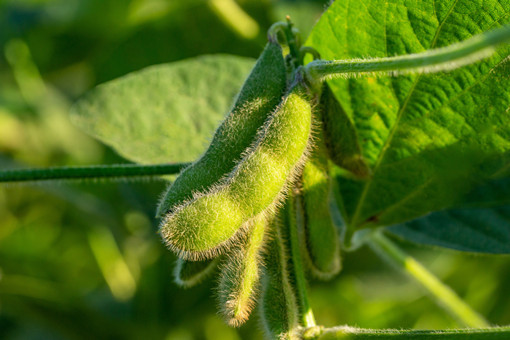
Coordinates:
387 143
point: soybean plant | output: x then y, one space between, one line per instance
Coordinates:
255 205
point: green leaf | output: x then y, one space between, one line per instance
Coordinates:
428 139
488 194
480 224
164 113
483 230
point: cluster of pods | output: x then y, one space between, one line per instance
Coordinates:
256 203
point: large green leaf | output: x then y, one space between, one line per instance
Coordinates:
164 113
428 139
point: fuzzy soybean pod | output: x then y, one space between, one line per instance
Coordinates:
340 136
259 96
321 249
239 278
211 222
279 301
190 273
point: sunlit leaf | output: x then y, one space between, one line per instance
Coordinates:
428 139
164 113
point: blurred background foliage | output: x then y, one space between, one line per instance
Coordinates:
83 260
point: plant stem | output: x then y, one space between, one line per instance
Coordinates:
235 17
90 172
308 319
293 42
441 293
440 59
351 333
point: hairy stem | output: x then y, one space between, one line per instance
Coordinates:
90 172
351 333
307 317
440 59
442 294
293 42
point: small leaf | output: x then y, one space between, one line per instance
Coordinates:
164 113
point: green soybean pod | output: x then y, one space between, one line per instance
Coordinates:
208 224
340 136
190 273
295 246
260 94
321 250
239 278
279 305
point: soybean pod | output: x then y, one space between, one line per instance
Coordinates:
259 96
190 273
239 278
206 226
321 242
279 301
340 136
